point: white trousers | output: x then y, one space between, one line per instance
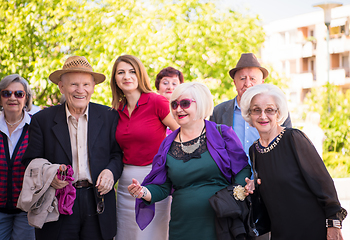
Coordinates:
127 228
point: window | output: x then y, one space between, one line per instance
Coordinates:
335 63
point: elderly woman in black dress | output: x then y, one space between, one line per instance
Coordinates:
295 185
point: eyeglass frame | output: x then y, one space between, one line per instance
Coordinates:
100 206
178 103
13 92
272 113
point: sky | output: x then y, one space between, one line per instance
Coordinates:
271 10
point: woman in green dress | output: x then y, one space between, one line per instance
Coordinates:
192 163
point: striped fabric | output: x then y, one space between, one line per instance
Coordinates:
11 170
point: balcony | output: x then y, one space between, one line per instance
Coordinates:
337 77
339 44
303 80
308 49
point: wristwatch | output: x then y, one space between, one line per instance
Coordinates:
333 223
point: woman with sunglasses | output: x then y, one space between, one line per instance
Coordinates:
192 163
144 116
15 103
297 190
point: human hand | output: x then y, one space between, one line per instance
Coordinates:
135 189
250 187
334 233
58 184
105 182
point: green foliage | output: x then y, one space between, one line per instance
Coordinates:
334 107
335 116
191 35
337 164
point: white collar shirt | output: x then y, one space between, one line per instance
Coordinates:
78 129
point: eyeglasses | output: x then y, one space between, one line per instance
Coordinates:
184 103
267 111
101 204
8 94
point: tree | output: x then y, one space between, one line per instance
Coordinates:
191 35
335 122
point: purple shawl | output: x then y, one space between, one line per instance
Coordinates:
226 150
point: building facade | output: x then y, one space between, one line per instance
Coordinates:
296 47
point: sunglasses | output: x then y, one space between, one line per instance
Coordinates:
184 103
267 111
101 204
8 94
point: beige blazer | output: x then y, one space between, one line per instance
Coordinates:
37 196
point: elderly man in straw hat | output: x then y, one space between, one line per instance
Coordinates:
247 73
81 134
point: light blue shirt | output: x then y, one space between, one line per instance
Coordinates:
246 133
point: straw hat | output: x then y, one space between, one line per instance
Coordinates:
248 60
76 64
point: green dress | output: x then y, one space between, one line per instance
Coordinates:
195 178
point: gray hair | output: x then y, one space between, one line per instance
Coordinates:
269 90
6 81
200 93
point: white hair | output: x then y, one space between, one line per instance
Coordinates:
200 93
269 90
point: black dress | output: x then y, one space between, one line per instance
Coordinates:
296 187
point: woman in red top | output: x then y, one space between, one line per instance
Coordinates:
144 116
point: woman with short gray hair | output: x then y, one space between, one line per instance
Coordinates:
295 185
15 102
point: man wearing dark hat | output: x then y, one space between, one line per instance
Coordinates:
81 134
247 73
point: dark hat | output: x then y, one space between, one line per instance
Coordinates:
248 60
76 64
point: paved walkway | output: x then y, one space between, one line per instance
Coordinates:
343 188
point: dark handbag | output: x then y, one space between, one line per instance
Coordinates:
260 216
233 212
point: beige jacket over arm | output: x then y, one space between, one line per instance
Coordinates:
37 196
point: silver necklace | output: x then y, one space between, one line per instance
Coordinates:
13 124
191 148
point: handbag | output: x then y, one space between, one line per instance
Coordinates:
260 216
233 211
233 215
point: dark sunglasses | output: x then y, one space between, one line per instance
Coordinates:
184 103
101 204
8 94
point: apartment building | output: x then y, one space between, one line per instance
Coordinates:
296 47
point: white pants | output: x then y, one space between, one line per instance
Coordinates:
127 228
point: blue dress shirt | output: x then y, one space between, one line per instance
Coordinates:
246 133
